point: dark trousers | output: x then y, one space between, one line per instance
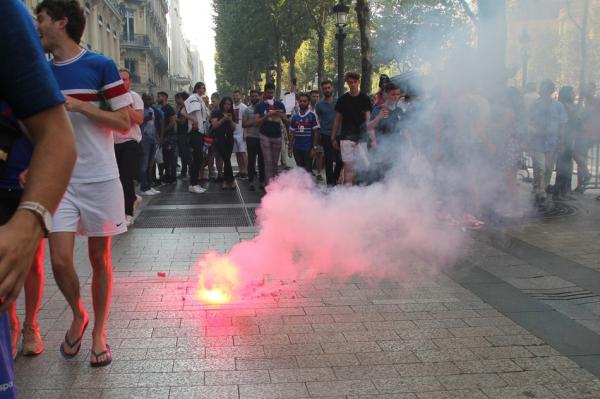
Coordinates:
225 149
183 147
303 159
254 154
146 164
170 158
331 156
564 172
128 159
197 151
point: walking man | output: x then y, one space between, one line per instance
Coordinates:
198 116
252 137
93 204
325 110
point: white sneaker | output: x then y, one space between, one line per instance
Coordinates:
155 190
149 192
197 189
137 203
128 220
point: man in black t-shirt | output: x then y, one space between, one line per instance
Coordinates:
169 144
353 111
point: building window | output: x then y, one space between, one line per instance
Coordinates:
130 65
128 25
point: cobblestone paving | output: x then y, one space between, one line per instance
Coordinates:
427 338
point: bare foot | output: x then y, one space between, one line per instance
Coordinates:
100 351
74 334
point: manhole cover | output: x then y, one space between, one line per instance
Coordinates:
213 217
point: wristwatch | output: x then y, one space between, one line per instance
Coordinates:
44 216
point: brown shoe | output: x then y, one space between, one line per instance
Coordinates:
32 341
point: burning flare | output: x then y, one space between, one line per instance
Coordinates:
218 279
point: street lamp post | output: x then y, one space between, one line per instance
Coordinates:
525 39
340 11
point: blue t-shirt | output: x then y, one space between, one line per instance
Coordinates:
326 114
28 87
269 128
302 127
19 156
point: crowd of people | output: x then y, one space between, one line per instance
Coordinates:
474 140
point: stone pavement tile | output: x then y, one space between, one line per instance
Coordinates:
501 352
469 381
130 354
207 364
294 349
407 384
328 360
136 366
488 366
576 390
357 317
128 333
103 381
407 316
459 394
271 339
475 331
467 305
60 394
235 351
467 342
328 310
454 314
236 377
148 343
167 332
383 358
546 363
193 342
420 333
338 327
258 320
284 329
407 345
316 337
426 369
365 372
440 323
175 353
577 375
302 375
374 335
267 363
313 318
273 391
154 323
350 347
385 396
205 392
390 325
517 340
533 377
331 388
422 307
375 308
215 331
45 382
490 322
171 379
527 392
446 355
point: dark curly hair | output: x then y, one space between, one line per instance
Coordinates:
70 9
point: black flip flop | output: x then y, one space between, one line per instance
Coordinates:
105 362
71 345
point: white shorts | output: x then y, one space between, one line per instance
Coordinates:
239 145
91 209
355 153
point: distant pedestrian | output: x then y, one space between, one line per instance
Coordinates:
325 110
252 137
169 144
304 133
223 124
239 146
198 116
183 138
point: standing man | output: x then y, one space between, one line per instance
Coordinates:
149 141
239 145
268 116
25 217
315 96
198 116
353 111
93 204
169 137
252 137
326 113
127 148
304 133
183 139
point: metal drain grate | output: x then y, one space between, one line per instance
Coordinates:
556 209
214 217
184 198
562 294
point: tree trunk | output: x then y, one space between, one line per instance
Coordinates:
320 55
363 16
492 41
278 70
292 66
584 45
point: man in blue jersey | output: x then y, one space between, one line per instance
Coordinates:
304 134
24 218
93 204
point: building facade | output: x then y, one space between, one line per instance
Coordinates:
180 56
144 48
102 26
197 66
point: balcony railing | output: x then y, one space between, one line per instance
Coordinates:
135 40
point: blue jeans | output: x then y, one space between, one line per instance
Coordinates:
146 162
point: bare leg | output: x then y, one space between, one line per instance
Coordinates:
242 160
61 254
99 253
34 288
348 174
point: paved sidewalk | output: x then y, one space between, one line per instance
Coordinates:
427 338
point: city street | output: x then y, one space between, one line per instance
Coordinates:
519 317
